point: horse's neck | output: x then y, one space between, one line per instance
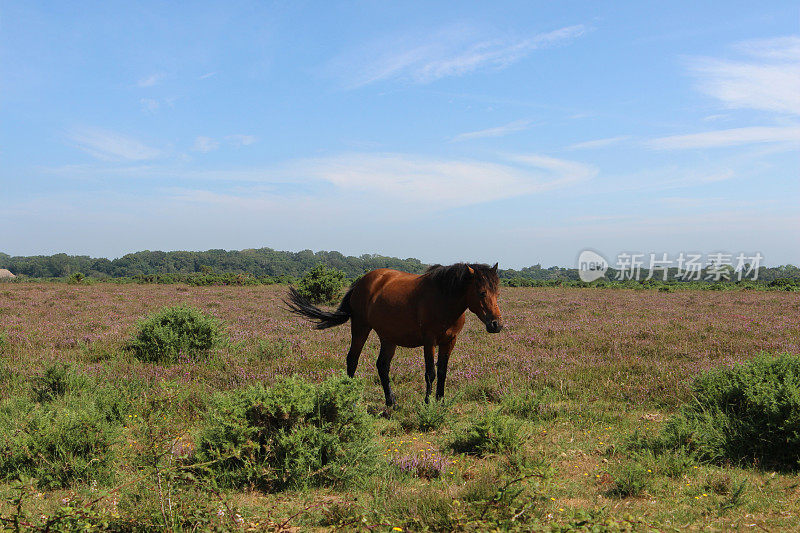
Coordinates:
455 306
448 307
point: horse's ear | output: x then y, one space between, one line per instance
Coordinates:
494 268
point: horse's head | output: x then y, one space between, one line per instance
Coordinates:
482 292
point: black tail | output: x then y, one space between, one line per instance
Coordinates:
298 305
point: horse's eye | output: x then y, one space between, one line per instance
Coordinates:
483 294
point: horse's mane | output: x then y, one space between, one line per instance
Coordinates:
453 279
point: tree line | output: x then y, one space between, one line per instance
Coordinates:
260 263
266 262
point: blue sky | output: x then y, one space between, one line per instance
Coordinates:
518 132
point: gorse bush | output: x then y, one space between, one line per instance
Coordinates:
746 414
427 416
173 331
64 432
291 435
322 284
57 443
675 463
433 414
56 380
491 432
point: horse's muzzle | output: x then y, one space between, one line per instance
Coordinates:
493 326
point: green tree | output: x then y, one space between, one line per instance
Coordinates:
322 284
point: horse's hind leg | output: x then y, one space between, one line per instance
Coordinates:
359 333
430 371
384 361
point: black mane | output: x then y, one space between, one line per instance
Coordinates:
452 280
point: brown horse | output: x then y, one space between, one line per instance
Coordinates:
411 310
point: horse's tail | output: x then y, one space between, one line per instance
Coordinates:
299 305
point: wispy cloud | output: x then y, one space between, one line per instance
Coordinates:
207 75
149 105
241 140
418 181
453 51
730 137
499 131
205 144
692 202
208 144
447 182
768 79
716 117
152 105
598 143
111 146
780 48
150 81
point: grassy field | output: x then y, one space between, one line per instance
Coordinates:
590 370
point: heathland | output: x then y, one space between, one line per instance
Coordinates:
542 427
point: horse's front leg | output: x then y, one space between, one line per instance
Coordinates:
384 362
430 372
444 356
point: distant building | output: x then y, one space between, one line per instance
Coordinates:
6 273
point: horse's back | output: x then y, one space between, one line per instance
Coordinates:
386 301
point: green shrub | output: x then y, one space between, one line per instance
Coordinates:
433 414
219 279
57 380
57 443
76 278
321 284
175 331
784 282
674 463
629 479
746 414
291 435
491 432
427 416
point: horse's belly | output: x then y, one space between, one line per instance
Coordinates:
408 342
405 337
396 325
